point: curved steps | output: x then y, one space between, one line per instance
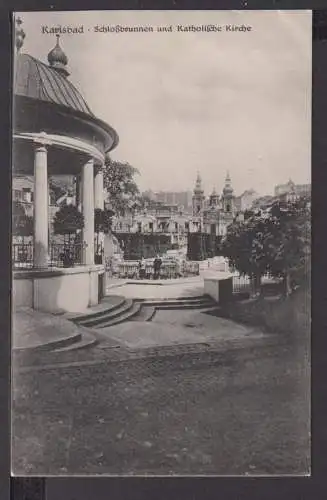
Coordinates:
120 310
95 319
125 314
146 313
86 340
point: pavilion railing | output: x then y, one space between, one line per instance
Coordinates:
22 255
66 254
60 255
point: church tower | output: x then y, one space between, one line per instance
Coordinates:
214 199
198 197
228 196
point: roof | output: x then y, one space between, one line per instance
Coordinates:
36 80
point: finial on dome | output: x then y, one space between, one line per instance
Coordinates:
19 34
58 59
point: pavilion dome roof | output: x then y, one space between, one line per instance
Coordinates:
39 81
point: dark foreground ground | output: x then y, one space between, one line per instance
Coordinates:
242 411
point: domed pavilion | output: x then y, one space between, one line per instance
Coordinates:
56 133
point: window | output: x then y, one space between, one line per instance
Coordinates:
17 195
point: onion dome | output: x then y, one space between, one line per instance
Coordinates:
58 59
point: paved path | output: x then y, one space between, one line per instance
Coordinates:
242 411
148 408
172 289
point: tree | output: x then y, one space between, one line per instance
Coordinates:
289 242
245 246
102 220
120 184
277 242
67 221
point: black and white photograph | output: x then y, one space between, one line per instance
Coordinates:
161 243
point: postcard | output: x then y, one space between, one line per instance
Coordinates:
161 243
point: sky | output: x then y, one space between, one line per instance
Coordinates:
184 102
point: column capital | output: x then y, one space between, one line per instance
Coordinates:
98 167
42 141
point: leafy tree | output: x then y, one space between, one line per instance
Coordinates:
277 242
56 189
120 184
289 242
245 246
102 220
67 221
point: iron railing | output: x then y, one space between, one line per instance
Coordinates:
66 254
60 255
269 285
168 270
22 255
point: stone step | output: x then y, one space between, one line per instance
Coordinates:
49 346
108 315
87 340
108 304
146 313
171 307
192 298
127 315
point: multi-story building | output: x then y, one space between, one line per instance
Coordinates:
245 200
290 188
181 198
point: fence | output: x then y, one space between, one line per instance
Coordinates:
168 270
22 255
269 285
66 255
60 255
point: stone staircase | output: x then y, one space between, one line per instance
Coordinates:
91 326
110 314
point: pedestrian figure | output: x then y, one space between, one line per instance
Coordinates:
156 267
66 258
142 268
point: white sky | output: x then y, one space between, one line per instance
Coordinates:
183 102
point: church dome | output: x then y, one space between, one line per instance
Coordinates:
57 59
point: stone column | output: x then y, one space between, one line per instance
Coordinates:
98 188
78 189
41 206
99 203
88 211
